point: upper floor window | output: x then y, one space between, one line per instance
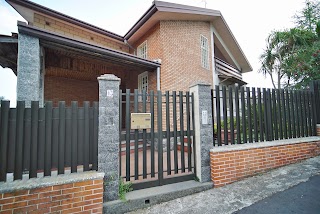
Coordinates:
142 50
204 52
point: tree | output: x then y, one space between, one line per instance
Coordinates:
281 51
271 58
303 65
1 98
293 55
308 17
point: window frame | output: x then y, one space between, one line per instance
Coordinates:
140 81
204 51
142 50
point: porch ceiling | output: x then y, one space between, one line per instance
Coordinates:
61 62
9 51
229 80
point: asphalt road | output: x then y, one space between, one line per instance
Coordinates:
299 199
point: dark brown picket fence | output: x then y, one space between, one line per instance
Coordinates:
42 140
247 115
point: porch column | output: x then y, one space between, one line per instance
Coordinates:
29 65
203 129
108 139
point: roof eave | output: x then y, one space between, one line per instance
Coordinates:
247 68
145 17
66 18
116 55
180 8
168 7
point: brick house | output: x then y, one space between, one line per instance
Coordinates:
57 57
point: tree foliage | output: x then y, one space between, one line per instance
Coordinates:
293 55
1 98
308 17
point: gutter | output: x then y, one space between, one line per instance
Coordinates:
130 46
8 40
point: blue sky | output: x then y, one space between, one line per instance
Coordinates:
250 21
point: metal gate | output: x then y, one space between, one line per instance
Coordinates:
162 153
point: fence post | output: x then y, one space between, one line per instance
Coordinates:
315 90
203 129
108 138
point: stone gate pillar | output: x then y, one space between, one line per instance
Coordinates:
203 129
108 139
29 80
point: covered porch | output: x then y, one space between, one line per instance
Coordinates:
72 76
54 68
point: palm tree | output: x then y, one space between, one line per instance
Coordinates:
271 58
283 54
294 54
267 59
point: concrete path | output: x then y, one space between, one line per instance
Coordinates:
300 199
233 197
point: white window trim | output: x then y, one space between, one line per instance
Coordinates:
143 47
204 51
140 86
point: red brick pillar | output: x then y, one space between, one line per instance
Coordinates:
318 129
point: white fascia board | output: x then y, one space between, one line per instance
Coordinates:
215 79
217 36
24 12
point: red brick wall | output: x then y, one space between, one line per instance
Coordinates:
230 166
80 197
177 44
74 78
181 61
63 89
154 51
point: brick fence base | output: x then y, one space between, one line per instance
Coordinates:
232 163
75 193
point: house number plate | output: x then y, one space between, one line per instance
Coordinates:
140 120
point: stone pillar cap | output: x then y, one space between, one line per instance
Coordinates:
111 77
200 83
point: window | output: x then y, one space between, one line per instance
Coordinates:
142 50
204 52
143 81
